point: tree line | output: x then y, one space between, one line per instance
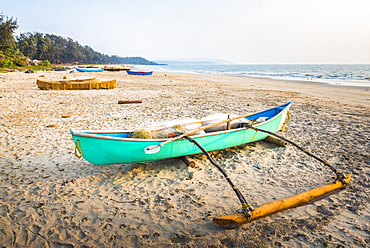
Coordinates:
9 53
16 50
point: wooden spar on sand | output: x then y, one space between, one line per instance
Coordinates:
276 141
129 101
235 220
188 161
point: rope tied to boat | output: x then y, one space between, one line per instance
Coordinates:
340 176
246 207
78 151
283 127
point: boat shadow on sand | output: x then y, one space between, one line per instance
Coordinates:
176 168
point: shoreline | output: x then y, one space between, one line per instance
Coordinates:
303 77
49 197
345 94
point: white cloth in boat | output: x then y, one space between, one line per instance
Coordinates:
213 119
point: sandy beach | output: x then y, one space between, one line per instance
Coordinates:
50 198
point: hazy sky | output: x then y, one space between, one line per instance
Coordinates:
240 31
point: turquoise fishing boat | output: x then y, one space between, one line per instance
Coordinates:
116 147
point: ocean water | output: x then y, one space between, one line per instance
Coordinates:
345 75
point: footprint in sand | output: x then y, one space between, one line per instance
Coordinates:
63 234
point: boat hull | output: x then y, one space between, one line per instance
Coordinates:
114 147
143 73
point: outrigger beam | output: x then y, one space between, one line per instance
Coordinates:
235 220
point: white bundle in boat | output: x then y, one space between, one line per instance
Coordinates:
177 127
213 119
167 130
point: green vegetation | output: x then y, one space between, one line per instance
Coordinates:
45 50
10 55
7 28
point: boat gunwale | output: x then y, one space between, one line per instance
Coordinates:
86 134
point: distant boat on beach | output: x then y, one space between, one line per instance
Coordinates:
88 69
134 72
121 147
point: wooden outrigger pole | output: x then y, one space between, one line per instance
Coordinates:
249 213
235 220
